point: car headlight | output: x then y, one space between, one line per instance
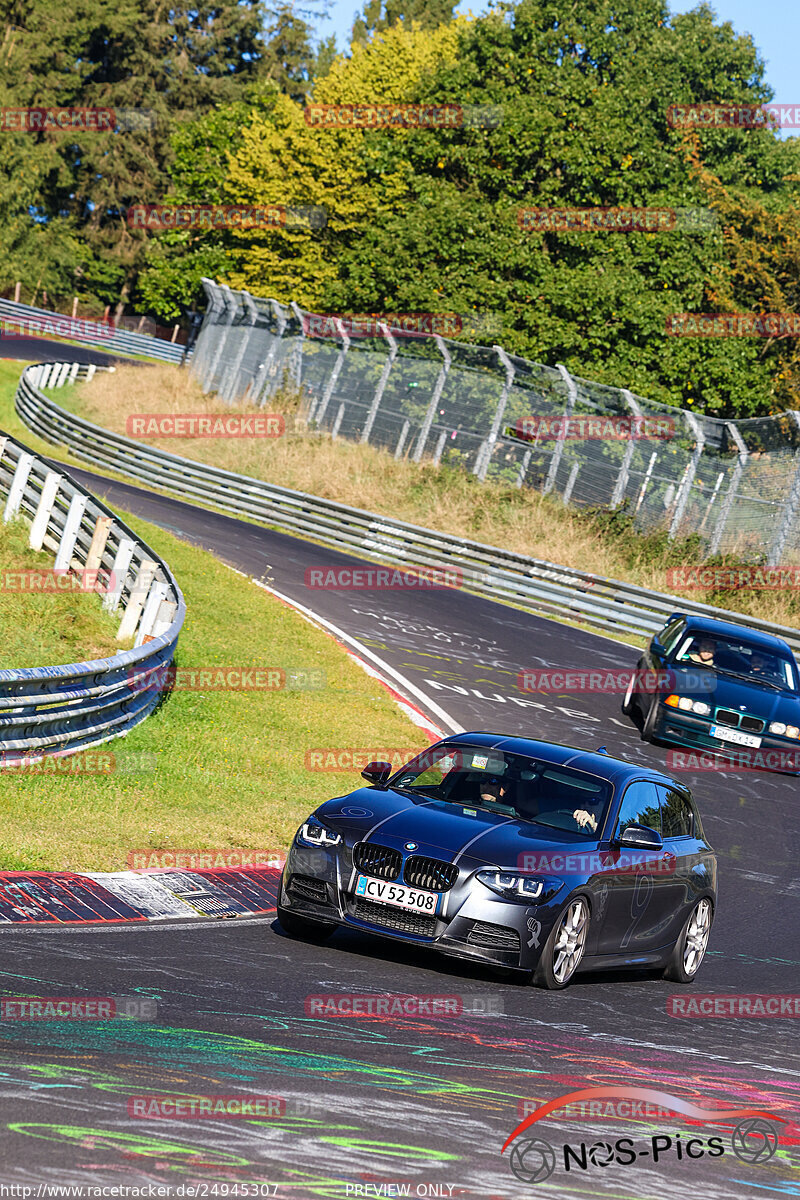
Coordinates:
512 885
314 833
686 704
790 731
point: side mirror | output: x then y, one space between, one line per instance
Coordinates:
377 772
657 647
640 837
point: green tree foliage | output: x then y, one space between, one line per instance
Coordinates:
379 15
168 63
584 94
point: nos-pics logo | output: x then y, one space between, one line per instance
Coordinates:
754 1138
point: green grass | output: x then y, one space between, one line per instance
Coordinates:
47 628
227 769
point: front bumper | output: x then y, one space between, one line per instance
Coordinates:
683 729
472 922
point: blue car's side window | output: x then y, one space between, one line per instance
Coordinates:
677 818
639 806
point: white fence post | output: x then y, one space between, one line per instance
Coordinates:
45 508
484 456
119 573
435 398
136 600
77 507
688 479
18 485
555 461
379 390
621 484
157 593
318 414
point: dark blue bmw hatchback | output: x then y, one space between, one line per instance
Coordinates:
512 852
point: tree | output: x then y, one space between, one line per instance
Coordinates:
379 15
165 65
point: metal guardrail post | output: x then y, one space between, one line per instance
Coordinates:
569 408
730 495
318 415
688 479
484 456
789 510
435 398
621 484
381 386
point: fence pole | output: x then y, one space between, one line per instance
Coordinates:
487 448
621 484
203 342
435 398
688 479
555 461
789 510
318 414
230 307
262 377
228 395
379 390
646 480
730 495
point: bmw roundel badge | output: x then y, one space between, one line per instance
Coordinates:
410 846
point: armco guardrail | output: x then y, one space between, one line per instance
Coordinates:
40 322
533 584
61 709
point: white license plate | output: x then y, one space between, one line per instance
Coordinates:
734 735
397 894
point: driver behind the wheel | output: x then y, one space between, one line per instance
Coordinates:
492 790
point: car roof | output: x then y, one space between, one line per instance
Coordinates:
711 626
615 770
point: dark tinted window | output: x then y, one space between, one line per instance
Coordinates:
639 807
677 817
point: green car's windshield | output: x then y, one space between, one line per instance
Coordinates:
514 785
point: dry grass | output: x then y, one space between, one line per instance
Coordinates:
447 500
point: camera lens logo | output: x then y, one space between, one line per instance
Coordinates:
601 1154
754 1140
533 1161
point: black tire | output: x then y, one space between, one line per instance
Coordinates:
691 946
302 927
630 701
552 972
649 722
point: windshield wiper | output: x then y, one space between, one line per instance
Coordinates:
751 678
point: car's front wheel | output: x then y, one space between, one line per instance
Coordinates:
628 702
564 948
690 947
301 927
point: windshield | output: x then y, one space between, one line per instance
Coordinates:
511 785
738 658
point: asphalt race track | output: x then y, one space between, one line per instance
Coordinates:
374 1107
